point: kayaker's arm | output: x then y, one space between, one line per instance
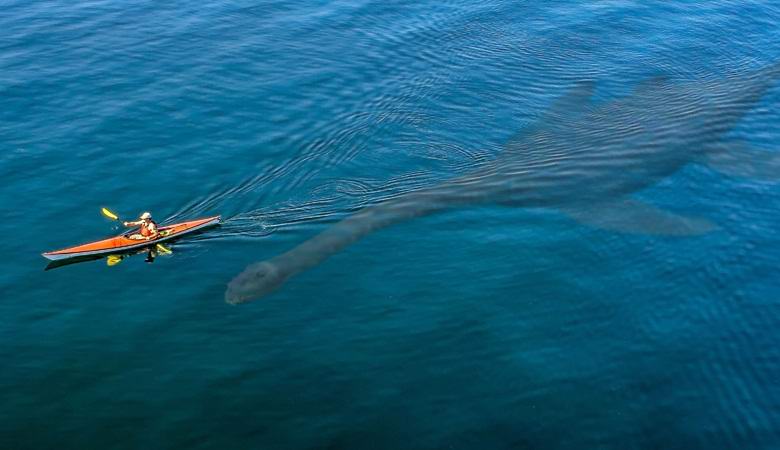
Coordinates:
133 224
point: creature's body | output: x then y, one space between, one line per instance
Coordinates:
580 158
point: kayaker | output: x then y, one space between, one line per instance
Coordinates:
148 227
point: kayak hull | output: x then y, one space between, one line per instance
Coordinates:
123 243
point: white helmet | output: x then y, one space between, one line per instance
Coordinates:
146 215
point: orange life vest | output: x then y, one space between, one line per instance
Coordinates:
145 231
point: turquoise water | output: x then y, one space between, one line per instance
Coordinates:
484 326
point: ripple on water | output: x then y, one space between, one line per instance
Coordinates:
491 327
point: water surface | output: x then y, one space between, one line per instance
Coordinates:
481 327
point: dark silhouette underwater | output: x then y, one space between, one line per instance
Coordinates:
580 157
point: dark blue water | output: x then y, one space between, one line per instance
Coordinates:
484 326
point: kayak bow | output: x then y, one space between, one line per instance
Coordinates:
123 243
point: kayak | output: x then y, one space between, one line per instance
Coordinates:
123 243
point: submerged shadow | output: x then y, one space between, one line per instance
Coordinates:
581 158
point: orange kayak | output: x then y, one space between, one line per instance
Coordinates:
123 243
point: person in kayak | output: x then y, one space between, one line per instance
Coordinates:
147 230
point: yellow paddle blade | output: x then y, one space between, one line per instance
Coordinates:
109 214
113 260
163 250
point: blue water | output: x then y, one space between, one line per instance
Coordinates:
483 327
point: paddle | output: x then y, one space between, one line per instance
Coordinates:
106 212
113 260
163 250
113 216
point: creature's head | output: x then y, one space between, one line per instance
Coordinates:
255 281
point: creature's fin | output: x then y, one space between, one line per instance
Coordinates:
632 216
571 103
566 107
738 159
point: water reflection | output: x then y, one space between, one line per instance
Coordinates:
112 260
